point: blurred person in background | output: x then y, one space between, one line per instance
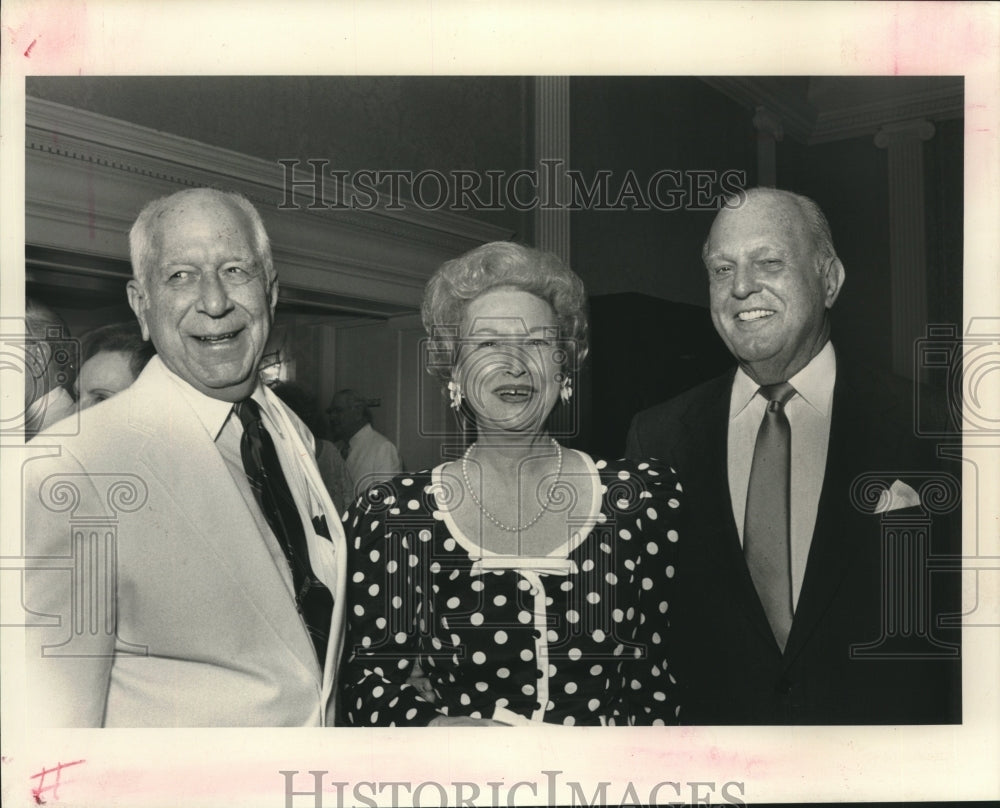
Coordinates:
332 467
370 455
111 358
46 399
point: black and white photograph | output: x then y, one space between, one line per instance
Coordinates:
503 424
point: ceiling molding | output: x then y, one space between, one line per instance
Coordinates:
866 119
87 176
797 116
811 123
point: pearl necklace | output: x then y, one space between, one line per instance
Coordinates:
490 516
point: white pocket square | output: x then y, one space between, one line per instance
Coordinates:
900 495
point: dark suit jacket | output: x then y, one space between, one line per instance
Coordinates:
726 657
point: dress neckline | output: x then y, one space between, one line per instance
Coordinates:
561 551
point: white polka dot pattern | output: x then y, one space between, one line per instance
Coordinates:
573 649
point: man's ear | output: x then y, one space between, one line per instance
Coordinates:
833 279
137 300
274 295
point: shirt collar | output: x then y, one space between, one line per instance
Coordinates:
814 384
213 412
744 389
360 436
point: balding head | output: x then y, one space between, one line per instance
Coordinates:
204 289
809 212
145 234
773 276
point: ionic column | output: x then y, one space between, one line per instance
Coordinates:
552 159
909 611
769 132
93 504
907 237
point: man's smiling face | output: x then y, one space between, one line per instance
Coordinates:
204 299
769 290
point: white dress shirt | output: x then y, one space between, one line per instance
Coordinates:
371 457
225 428
809 412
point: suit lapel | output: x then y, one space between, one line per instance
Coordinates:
840 526
215 514
328 557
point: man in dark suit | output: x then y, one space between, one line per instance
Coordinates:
804 591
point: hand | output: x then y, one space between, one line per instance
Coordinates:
422 684
464 721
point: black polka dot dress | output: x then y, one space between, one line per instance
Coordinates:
577 637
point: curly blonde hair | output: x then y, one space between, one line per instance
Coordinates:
501 265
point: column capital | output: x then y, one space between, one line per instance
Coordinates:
768 122
93 497
894 134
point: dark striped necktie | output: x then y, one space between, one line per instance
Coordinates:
263 469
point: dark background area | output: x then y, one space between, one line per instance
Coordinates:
651 334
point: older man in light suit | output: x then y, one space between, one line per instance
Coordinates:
201 580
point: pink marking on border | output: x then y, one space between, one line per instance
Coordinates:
52 789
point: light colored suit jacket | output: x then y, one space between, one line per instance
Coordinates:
155 601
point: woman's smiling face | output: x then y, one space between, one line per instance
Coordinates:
510 360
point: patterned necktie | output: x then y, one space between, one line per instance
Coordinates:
260 462
766 530
345 450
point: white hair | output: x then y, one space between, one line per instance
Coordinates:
140 237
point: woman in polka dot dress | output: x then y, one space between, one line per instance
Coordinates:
529 583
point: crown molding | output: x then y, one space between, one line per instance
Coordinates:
88 175
797 116
806 123
866 119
